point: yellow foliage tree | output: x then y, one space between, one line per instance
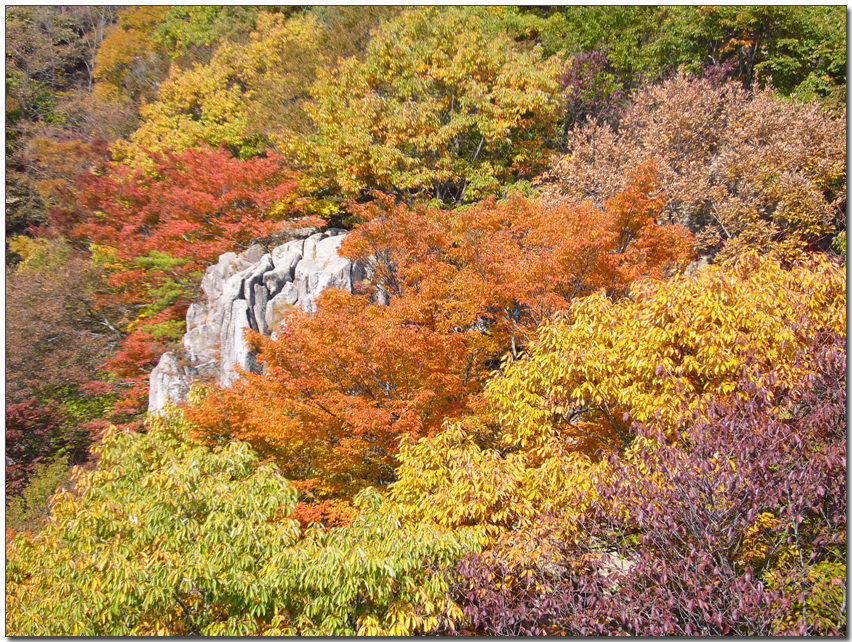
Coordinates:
440 105
250 94
460 478
128 61
170 537
664 353
661 356
201 104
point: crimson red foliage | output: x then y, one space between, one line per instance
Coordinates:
195 205
35 433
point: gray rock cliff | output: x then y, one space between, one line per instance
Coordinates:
249 290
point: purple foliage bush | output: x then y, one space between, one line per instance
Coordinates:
590 90
737 529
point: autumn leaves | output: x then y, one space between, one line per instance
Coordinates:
536 414
340 390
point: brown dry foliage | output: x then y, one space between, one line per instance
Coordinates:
54 337
747 168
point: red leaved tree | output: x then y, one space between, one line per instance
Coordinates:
155 231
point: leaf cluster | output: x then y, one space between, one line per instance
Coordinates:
669 350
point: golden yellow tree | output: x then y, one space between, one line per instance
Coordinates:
440 105
665 352
661 357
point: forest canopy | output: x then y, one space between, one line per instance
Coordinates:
591 379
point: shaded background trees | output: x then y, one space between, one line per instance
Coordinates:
49 66
56 342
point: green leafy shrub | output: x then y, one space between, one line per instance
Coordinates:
170 537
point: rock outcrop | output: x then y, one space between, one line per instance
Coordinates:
249 290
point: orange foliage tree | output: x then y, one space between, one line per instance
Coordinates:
507 266
341 390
